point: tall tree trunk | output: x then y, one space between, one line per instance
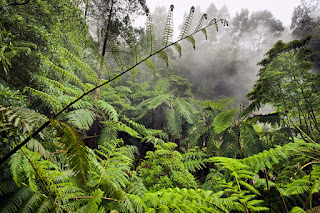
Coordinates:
104 47
95 130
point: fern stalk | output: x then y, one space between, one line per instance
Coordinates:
44 125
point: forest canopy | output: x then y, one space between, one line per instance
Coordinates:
97 115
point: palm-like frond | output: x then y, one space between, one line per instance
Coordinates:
223 120
76 151
108 109
81 119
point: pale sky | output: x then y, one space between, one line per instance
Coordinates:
281 9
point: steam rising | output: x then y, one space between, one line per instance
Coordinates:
225 64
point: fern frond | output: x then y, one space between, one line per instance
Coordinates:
203 17
168 30
50 100
158 100
15 201
108 109
50 82
150 65
150 37
76 151
178 48
173 121
80 64
35 146
64 73
164 56
194 159
181 107
187 24
141 129
81 119
223 120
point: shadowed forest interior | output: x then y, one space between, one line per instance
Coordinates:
98 114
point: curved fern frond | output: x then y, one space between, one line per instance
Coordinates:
108 109
81 119
173 121
64 73
50 100
158 100
203 17
168 30
178 48
187 24
76 151
164 56
50 82
136 126
223 120
150 65
181 107
194 159
80 64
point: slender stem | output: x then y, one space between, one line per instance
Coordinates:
284 202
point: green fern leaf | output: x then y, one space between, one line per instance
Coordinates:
80 64
76 151
223 120
64 73
187 24
108 109
164 56
200 24
81 119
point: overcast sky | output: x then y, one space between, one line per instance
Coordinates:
281 9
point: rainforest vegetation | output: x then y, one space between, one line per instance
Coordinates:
97 115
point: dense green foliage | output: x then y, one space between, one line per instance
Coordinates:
78 135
